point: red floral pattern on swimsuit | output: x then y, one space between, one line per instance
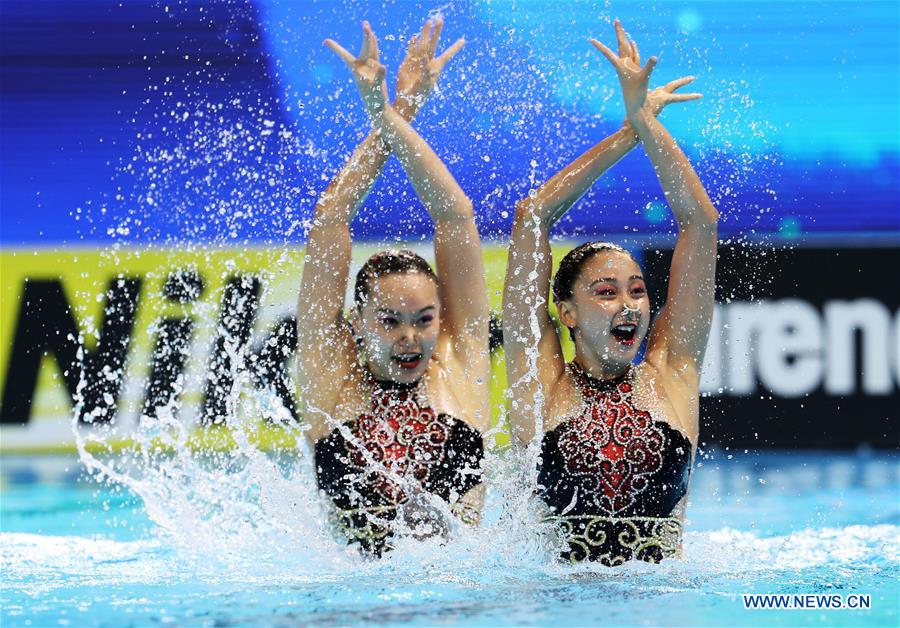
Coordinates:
402 433
611 447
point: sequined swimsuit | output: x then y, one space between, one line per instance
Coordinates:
401 444
612 476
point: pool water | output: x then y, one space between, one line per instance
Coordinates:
75 552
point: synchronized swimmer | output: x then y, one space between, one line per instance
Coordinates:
396 419
618 438
397 416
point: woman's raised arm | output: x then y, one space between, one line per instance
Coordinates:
464 310
526 292
682 328
320 325
680 333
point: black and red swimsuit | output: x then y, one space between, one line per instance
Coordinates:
400 445
613 475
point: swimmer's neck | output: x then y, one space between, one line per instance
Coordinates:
600 369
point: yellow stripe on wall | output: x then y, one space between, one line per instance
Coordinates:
84 275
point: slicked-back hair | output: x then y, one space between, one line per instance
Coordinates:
385 263
571 265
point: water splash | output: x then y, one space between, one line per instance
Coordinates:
225 168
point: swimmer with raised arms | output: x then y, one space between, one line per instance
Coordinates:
396 398
618 438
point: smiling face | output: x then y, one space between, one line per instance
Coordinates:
399 324
609 310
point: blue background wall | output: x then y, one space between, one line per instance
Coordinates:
221 122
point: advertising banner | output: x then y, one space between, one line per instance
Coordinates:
804 350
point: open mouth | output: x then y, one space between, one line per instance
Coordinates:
625 334
407 360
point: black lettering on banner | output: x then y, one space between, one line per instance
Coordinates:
172 349
239 305
46 325
269 363
173 341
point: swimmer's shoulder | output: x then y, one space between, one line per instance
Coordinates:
458 371
453 389
469 357
563 400
670 398
350 402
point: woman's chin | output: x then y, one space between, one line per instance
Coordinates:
625 349
407 372
617 353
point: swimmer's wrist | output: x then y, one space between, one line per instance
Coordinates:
387 113
385 123
629 131
379 118
406 107
381 146
405 112
640 120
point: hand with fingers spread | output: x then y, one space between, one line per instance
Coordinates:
633 78
658 98
420 69
368 72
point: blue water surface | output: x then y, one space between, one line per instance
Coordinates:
73 552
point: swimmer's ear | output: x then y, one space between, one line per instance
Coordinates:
567 315
353 321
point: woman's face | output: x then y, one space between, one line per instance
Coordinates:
399 325
609 308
